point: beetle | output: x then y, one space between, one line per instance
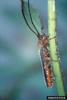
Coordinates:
43 42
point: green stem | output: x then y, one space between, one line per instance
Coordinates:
53 48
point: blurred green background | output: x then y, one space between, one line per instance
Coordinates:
20 67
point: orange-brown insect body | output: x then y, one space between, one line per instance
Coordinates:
46 60
43 41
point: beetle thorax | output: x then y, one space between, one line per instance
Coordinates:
43 41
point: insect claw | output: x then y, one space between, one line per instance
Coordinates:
55 60
53 78
52 38
59 59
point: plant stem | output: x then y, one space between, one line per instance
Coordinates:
53 48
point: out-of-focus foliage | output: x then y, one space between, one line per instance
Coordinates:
20 68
